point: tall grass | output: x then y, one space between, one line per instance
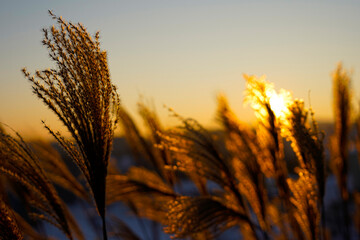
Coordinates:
241 180
8 224
80 93
340 140
19 163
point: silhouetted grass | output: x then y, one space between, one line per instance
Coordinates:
240 178
80 93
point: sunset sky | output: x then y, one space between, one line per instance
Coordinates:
183 53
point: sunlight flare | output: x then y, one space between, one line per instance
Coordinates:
261 95
279 103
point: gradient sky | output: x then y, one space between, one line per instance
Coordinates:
183 53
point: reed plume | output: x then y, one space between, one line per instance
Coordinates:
260 94
161 156
8 224
146 189
305 198
19 162
143 192
271 109
357 195
307 143
28 231
358 133
199 154
190 215
243 144
339 141
137 182
56 169
80 93
143 148
140 147
342 111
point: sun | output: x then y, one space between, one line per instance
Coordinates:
261 93
278 104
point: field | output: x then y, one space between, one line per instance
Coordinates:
287 177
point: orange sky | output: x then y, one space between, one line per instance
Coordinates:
183 53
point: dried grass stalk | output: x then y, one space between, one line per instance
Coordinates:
259 94
340 141
8 224
140 147
19 163
307 143
80 93
243 144
305 200
136 183
188 216
28 231
161 155
358 133
56 169
199 154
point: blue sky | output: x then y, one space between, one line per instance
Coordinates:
183 53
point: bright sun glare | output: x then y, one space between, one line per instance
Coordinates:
278 104
260 92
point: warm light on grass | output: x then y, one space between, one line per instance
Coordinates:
266 181
278 103
261 94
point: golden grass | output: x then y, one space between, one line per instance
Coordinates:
8 225
257 192
80 93
19 163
